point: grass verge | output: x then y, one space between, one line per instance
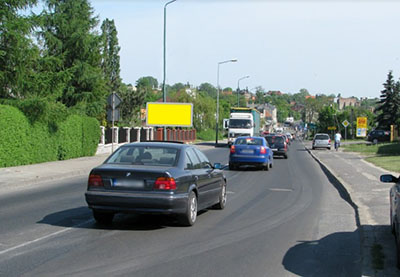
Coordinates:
385 155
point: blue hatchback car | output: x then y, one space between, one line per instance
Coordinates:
250 151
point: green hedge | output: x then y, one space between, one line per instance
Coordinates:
24 143
15 148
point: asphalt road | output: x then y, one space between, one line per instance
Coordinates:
289 221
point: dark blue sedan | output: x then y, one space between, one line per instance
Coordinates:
252 151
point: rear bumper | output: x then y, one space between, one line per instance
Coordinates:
248 160
279 152
134 202
320 145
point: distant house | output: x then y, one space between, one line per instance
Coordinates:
275 92
310 96
347 102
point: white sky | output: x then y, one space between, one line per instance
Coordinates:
327 47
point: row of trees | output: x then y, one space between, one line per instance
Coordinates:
60 61
57 60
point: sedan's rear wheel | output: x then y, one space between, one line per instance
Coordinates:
103 217
222 197
189 218
232 166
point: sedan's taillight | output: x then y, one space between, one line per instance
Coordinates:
95 181
232 149
166 183
263 150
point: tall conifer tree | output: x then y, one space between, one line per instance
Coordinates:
70 37
388 109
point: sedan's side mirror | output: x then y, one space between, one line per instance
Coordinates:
217 166
388 178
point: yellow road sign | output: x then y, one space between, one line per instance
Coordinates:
362 126
332 128
169 114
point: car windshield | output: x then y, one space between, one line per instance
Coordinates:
145 155
322 137
239 123
249 141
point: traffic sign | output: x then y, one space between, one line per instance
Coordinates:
114 98
332 128
345 123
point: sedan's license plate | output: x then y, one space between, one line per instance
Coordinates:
128 183
274 149
247 151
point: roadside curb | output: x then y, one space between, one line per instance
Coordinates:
367 236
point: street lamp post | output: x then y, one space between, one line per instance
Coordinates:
238 88
217 115
165 36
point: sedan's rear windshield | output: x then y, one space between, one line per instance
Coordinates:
249 141
274 139
322 137
145 155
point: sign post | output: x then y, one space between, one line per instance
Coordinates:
113 101
345 123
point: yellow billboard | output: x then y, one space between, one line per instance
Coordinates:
169 114
361 126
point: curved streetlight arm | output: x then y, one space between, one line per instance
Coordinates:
238 88
218 89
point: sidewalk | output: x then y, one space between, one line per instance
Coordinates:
370 198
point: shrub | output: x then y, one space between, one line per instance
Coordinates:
43 143
15 147
78 136
24 143
208 135
91 136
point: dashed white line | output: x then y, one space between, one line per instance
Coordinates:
44 237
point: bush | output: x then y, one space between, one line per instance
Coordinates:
24 143
15 148
91 136
208 135
78 136
43 143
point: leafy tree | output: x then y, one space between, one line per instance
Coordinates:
178 87
300 97
132 101
147 86
326 118
110 55
148 82
389 104
69 37
209 89
260 95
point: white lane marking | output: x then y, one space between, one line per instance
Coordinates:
44 237
369 176
230 192
379 190
279 189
